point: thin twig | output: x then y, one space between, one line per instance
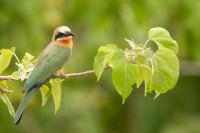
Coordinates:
9 77
60 75
73 75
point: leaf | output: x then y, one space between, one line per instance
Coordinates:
25 67
162 38
140 76
165 71
109 48
102 58
27 59
6 100
45 94
147 78
158 69
5 57
144 74
131 43
16 75
4 87
56 92
124 74
99 64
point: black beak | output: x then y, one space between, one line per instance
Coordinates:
70 34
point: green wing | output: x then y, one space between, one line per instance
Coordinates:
51 59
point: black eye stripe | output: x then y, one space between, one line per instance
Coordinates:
60 35
65 34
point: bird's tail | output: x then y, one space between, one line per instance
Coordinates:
23 105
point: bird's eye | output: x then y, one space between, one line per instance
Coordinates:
60 35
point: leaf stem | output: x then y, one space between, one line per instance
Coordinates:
16 57
3 90
145 44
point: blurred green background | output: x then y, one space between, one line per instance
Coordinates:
91 107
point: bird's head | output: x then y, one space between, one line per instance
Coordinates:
63 36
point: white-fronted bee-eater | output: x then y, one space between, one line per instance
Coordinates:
50 60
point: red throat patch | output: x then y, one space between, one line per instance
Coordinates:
65 42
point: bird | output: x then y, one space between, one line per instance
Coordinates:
51 59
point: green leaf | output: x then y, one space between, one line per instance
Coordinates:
118 59
5 57
16 75
124 74
144 74
109 48
4 87
3 84
13 49
27 60
147 78
102 58
56 92
25 67
140 76
165 71
45 94
6 100
99 64
158 69
162 38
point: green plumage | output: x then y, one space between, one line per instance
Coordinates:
51 59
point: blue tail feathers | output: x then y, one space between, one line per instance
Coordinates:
23 105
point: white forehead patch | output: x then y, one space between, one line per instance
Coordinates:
63 29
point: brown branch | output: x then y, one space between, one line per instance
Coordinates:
73 75
56 75
60 75
9 77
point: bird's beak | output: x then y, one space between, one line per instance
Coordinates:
70 34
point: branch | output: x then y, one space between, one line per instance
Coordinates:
9 77
72 75
60 75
